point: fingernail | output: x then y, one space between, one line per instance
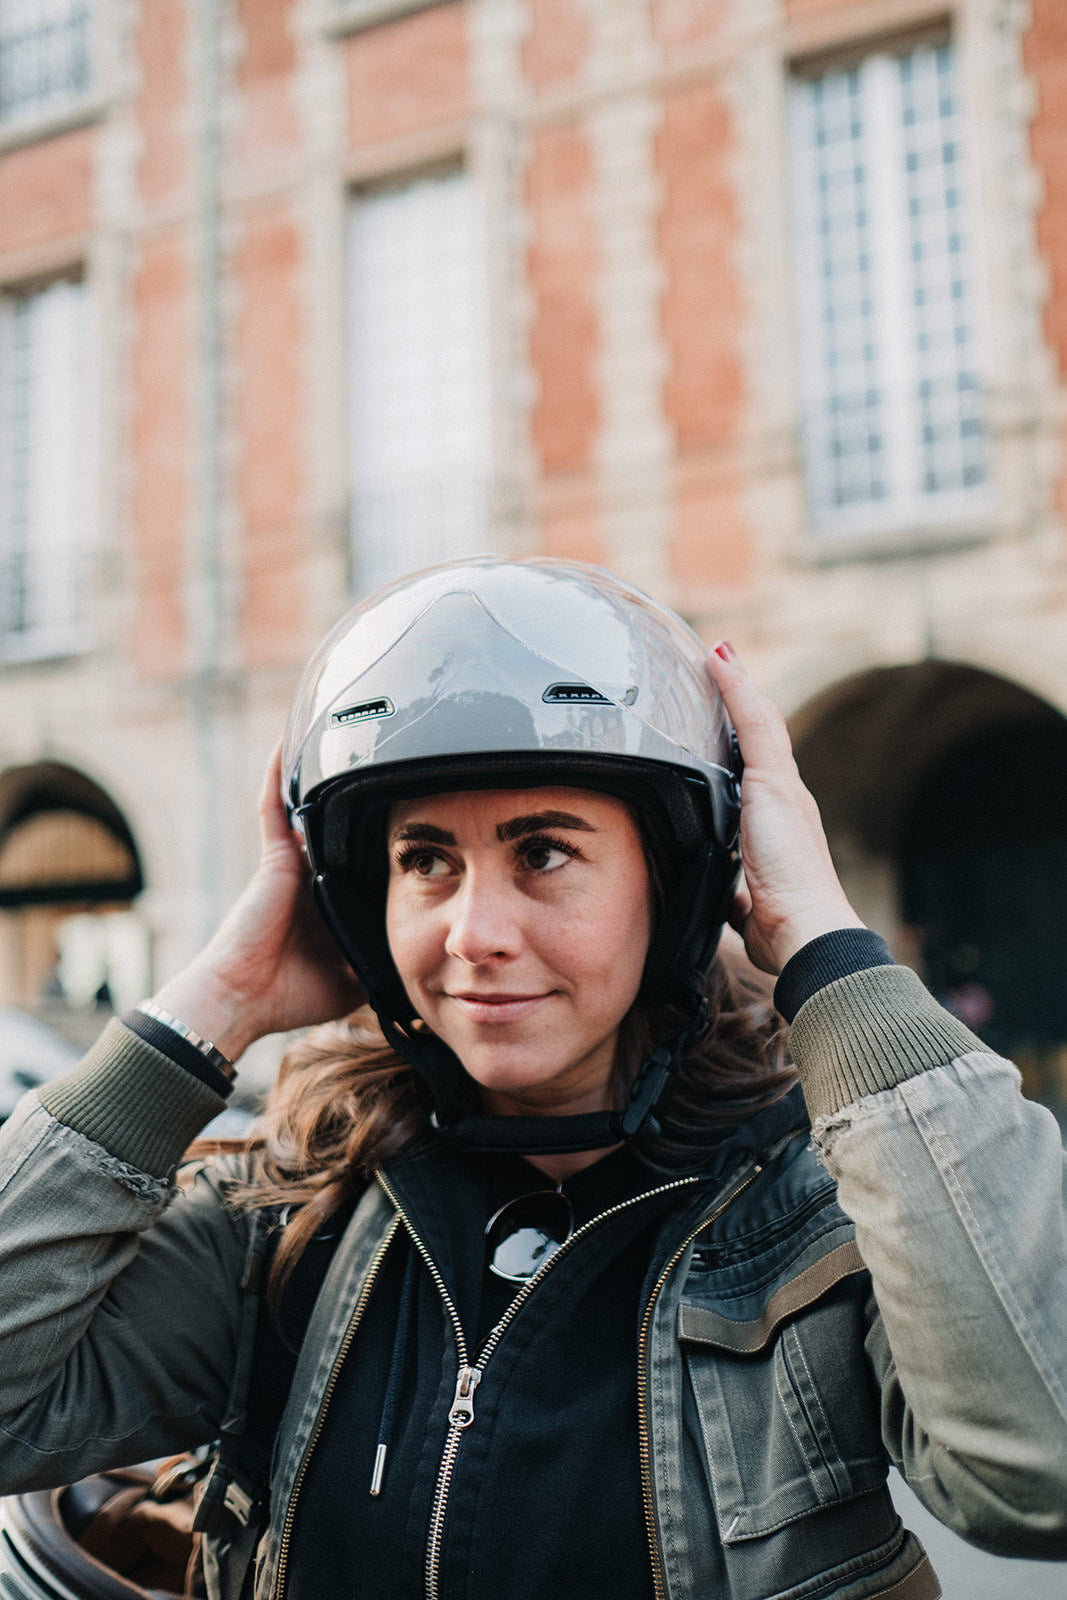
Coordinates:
725 650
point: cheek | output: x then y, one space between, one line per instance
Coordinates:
632 921
636 920
612 943
407 933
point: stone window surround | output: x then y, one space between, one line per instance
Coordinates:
353 16
1008 273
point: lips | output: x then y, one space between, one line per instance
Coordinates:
497 1007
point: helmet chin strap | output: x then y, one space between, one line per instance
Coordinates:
593 1130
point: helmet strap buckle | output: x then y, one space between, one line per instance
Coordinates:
655 1074
647 1088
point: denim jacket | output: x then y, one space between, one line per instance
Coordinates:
898 1292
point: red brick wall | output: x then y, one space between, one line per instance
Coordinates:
162 344
557 43
159 452
562 267
269 126
408 75
1045 57
162 110
270 337
680 23
270 340
703 314
46 191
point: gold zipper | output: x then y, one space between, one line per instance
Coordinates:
327 1396
643 1385
461 1415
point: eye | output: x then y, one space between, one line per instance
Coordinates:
422 861
546 855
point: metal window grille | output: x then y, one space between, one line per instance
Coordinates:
42 520
892 399
418 377
44 55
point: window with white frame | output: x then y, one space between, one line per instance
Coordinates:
44 56
419 390
43 524
891 388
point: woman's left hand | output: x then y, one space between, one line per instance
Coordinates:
791 892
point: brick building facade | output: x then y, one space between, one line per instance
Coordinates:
762 303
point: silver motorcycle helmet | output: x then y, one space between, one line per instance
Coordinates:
487 673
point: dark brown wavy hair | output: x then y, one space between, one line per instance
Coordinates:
344 1102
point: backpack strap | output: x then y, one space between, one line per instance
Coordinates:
233 1495
235 1506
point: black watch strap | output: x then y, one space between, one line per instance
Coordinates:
178 1046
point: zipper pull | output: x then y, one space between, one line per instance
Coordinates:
462 1412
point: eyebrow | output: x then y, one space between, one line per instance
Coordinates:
423 833
514 828
536 820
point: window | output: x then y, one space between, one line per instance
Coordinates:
42 488
44 56
893 421
419 380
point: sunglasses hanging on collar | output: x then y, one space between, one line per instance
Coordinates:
527 1231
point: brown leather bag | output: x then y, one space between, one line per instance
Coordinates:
121 1535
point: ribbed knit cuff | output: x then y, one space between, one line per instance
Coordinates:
868 1032
177 1049
824 960
141 1106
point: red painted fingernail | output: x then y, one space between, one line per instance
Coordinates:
725 650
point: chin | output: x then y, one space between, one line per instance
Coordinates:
541 1087
513 1078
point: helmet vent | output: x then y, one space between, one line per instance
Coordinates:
574 691
366 711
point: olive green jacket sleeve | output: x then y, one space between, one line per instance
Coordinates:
956 1185
120 1296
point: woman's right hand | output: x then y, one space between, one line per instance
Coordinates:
791 893
272 965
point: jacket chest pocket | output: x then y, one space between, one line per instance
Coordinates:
785 1404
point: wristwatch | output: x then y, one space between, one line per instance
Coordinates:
210 1052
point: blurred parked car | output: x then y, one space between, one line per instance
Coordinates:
30 1054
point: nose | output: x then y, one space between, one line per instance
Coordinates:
485 921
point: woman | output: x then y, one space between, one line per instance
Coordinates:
596 1319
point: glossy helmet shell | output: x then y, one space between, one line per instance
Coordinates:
488 673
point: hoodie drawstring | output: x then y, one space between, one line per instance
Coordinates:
408 1292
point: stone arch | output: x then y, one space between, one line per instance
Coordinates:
70 872
66 816
941 787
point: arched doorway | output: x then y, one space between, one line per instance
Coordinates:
941 790
71 944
